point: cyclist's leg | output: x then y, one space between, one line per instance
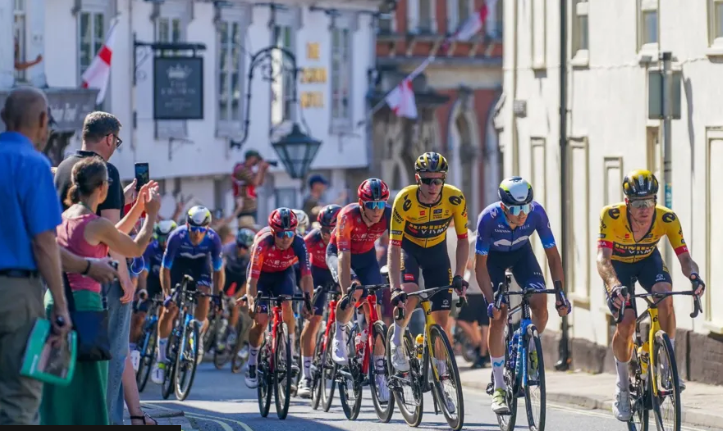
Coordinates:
437 271
497 264
165 326
655 277
528 274
285 286
265 283
203 280
370 274
322 277
410 283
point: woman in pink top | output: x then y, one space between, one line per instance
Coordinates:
83 401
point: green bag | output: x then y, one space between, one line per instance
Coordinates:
46 363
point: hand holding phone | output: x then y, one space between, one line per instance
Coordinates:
143 175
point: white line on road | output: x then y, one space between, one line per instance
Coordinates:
216 419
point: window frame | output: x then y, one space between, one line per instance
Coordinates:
454 19
413 17
241 15
580 56
647 49
285 18
715 41
349 22
20 75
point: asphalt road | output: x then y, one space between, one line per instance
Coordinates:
220 401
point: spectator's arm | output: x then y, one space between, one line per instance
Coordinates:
123 276
23 65
47 257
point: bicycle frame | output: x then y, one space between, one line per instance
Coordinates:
274 326
373 318
329 322
522 340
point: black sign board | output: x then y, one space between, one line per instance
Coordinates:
178 88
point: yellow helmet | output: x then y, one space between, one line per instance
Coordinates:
640 183
431 162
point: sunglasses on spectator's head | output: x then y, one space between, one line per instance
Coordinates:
198 229
375 205
432 181
284 234
515 210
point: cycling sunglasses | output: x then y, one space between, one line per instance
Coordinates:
198 229
432 181
642 203
284 234
375 205
515 210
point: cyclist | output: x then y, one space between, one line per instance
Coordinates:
351 255
627 247
272 258
303 225
236 257
503 242
316 242
149 283
193 249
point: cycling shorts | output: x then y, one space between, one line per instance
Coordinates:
274 284
364 267
198 269
436 270
475 311
234 282
322 277
649 271
523 264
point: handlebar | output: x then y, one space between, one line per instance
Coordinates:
281 298
697 309
353 288
621 311
426 294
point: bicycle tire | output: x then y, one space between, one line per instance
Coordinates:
384 413
297 348
507 422
351 409
664 346
436 332
316 389
220 359
282 387
169 378
536 424
640 393
329 369
147 358
190 336
264 388
414 417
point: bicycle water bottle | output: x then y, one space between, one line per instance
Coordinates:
419 345
644 359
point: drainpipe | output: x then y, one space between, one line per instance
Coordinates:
514 149
563 364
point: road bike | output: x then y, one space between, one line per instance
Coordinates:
361 369
650 388
183 344
431 344
524 371
323 368
274 363
147 347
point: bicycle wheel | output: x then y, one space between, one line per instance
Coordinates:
384 409
407 387
350 391
316 372
186 360
220 359
170 375
328 371
534 386
264 388
445 375
640 390
282 371
297 357
148 356
507 421
666 398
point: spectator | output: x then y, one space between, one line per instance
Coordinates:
100 139
21 64
83 401
30 215
313 203
245 181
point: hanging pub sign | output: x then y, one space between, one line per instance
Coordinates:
178 88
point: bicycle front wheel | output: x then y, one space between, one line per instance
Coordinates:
282 371
535 392
328 371
640 390
264 388
148 355
406 387
350 391
186 360
666 397
445 374
170 375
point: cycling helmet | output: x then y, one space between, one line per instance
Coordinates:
640 183
373 189
245 237
198 216
327 216
431 162
282 219
303 221
515 191
164 228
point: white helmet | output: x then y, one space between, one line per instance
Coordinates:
199 216
303 221
515 191
164 228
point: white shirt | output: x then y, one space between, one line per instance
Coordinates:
469 276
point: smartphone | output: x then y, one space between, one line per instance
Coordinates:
142 175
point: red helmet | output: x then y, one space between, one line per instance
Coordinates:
373 189
327 216
282 219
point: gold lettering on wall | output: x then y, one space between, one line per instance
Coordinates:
312 99
312 51
313 75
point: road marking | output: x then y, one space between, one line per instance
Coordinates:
216 419
600 413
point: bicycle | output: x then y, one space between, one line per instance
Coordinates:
360 369
646 391
182 348
237 362
274 364
147 347
521 376
221 348
323 369
418 376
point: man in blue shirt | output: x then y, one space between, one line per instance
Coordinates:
28 250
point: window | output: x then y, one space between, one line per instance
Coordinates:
231 31
92 36
282 88
580 33
386 22
715 27
19 36
458 12
421 16
647 25
341 77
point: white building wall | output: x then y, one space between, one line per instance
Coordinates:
609 134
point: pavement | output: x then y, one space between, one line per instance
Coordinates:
701 402
220 401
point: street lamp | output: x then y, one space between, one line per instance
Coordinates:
296 151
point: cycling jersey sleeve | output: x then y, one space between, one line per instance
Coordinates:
543 228
460 217
482 247
303 255
216 253
257 260
147 258
398 221
174 242
605 221
344 228
674 232
388 216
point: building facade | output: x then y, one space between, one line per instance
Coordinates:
612 48
456 95
333 47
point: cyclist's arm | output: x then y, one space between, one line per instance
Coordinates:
168 256
166 280
396 233
482 247
143 280
257 262
219 275
460 227
605 252
302 253
345 226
